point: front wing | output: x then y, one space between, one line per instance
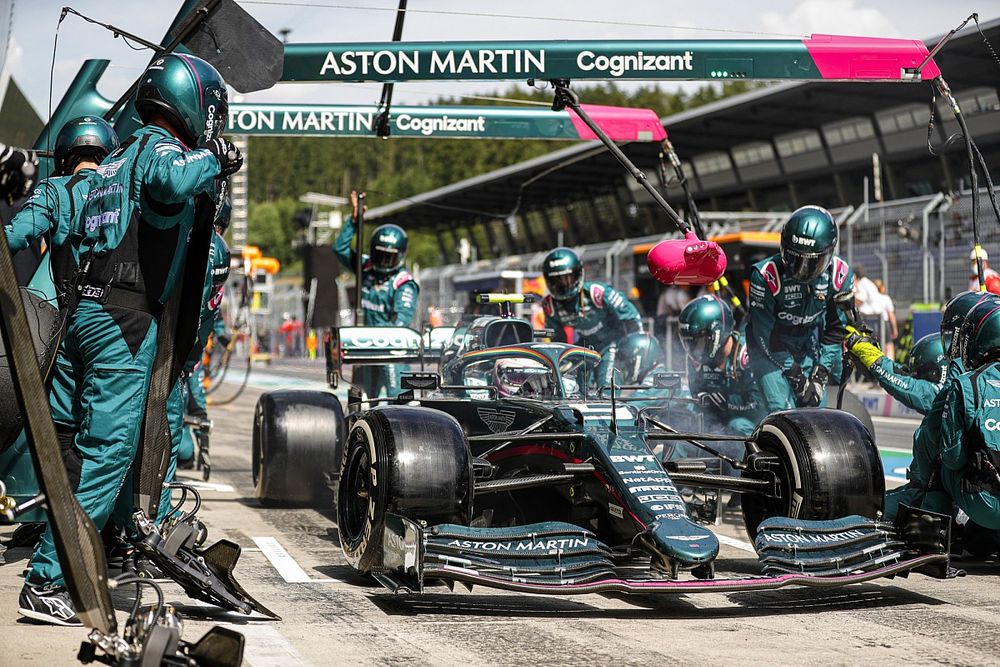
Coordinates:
557 558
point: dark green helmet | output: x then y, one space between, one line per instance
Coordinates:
387 248
926 359
221 259
808 241
705 325
86 138
189 93
637 355
979 337
953 318
563 273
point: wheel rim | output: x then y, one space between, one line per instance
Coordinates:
757 507
357 490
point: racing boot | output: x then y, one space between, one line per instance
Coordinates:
48 604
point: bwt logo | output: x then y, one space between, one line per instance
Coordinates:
802 240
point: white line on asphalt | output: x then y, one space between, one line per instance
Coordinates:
283 562
733 542
266 647
263 645
207 486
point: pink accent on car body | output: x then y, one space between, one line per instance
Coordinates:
686 261
871 58
620 123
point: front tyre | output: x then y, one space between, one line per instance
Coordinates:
411 461
827 467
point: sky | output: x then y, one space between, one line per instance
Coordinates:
30 44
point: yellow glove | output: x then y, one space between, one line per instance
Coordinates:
863 347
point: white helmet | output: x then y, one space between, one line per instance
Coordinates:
979 252
510 375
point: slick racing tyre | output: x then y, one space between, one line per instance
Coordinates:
44 323
827 467
851 404
298 438
412 461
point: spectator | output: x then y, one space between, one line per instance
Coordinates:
868 301
668 306
991 277
887 315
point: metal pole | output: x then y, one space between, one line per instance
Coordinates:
359 259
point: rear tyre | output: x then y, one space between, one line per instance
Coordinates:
827 467
411 461
298 438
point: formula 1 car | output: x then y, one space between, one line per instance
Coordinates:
515 474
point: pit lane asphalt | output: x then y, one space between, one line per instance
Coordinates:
335 617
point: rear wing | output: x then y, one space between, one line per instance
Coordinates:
381 345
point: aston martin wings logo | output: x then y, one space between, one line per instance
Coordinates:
498 420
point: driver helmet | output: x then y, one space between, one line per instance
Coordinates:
637 355
509 375
563 273
85 138
926 359
187 91
705 324
387 248
808 241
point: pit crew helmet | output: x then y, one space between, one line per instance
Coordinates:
953 317
979 337
223 215
926 359
637 355
387 248
189 93
84 138
808 241
520 377
705 324
563 273
221 260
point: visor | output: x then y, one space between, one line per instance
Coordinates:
805 266
563 286
702 346
384 258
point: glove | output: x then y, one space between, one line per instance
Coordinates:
714 399
815 388
223 341
229 156
18 169
796 380
862 346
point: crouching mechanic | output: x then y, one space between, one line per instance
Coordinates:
915 384
718 367
600 315
388 293
969 447
136 227
796 328
923 487
638 360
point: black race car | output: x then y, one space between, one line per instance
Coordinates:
515 473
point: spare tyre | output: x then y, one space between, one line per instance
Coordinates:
825 463
298 437
44 323
412 461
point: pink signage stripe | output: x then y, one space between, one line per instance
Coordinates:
859 58
620 123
